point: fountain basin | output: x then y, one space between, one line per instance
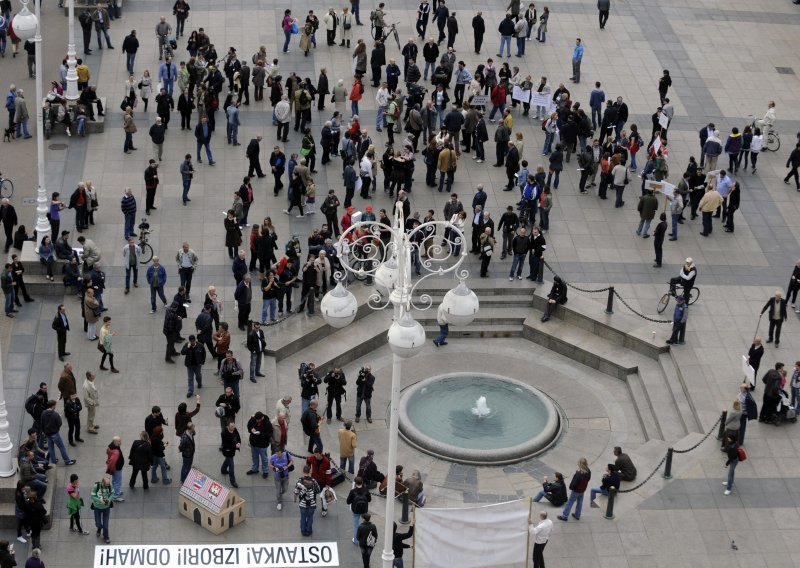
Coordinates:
436 417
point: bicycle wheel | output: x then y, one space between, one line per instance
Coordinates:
397 39
7 189
773 142
694 296
147 253
663 302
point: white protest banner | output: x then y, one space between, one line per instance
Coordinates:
663 120
539 99
479 100
475 537
656 144
520 94
749 372
271 555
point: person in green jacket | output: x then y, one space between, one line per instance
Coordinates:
648 204
102 504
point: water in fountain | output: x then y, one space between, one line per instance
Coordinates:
481 410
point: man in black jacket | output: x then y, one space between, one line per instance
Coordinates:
256 344
310 420
130 46
85 19
336 381
8 216
61 327
231 443
260 429
478 29
792 163
377 60
253 151
194 355
230 405
512 165
772 393
509 221
777 315
520 245
365 384
536 256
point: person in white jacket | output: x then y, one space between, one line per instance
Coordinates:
382 103
283 114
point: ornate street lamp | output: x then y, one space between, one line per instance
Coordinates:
364 254
26 26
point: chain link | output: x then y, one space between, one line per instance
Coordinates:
649 477
550 268
641 315
713 429
674 451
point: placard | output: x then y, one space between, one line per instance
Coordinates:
749 372
520 94
270 555
663 120
479 100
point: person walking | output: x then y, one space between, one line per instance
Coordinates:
577 57
74 505
679 318
140 459
115 461
306 492
101 504
577 487
367 537
105 340
187 169
280 463
603 7
648 205
260 429
194 356
777 315
541 534
156 277
348 442
358 499
202 134
187 262
51 425
793 163
444 327
733 453
231 443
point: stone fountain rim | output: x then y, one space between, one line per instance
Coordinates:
498 456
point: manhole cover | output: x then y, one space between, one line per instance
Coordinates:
29 201
58 146
784 70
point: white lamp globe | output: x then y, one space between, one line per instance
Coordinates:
24 24
461 305
406 337
386 276
339 307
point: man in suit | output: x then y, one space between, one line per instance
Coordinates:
777 315
477 228
8 216
61 327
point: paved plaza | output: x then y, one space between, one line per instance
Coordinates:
727 60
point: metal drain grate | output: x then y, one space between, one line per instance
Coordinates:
58 146
784 70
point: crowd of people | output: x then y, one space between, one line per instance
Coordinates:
422 120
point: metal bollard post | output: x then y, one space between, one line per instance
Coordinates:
404 516
722 420
668 465
540 272
612 492
610 301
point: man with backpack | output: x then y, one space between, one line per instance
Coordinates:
358 499
35 406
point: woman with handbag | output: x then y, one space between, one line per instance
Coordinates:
91 193
104 345
145 86
233 234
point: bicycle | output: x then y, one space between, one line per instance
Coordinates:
147 248
772 140
6 187
387 31
694 295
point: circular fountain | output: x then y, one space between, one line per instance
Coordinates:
478 418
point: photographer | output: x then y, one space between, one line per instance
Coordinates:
309 385
231 372
281 463
365 384
336 381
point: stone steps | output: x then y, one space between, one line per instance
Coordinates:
8 520
508 316
39 285
477 331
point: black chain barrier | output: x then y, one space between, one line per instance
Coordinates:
613 291
671 450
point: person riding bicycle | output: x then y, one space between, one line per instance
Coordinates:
163 31
768 122
685 278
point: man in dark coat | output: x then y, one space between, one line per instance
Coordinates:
253 151
478 29
777 315
8 216
772 393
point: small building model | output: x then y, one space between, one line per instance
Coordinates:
209 503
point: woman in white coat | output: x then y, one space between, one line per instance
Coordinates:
345 30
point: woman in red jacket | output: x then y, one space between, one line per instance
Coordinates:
355 95
498 98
